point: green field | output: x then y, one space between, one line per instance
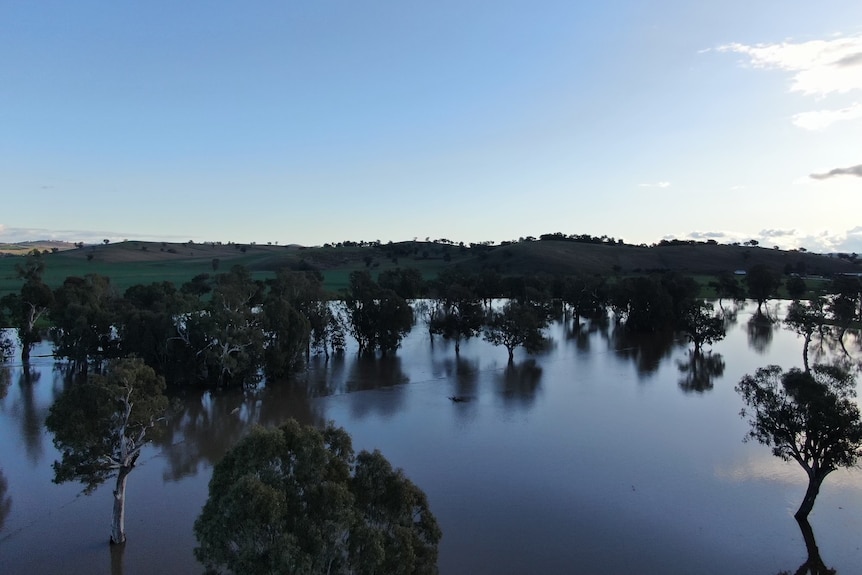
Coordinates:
136 262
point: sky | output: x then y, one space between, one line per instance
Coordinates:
299 121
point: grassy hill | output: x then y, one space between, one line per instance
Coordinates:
134 262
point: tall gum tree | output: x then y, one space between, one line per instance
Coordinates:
806 416
101 425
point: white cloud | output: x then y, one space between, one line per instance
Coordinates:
655 185
13 235
851 171
821 119
821 242
819 67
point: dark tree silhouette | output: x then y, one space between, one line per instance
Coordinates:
763 283
807 416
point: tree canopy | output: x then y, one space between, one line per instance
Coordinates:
296 500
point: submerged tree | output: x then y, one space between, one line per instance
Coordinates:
295 500
30 304
377 318
807 416
701 326
517 325
805 319
84 317
763 283
101 425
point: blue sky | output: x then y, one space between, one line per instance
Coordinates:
311 122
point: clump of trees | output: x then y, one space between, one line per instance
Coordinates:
517 325
377 318
297 500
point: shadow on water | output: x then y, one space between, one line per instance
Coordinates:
699 371
31 417
463 373
813 564
5 380
5 500
520 383
760 330
646 350
369 373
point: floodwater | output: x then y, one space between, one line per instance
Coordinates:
603 454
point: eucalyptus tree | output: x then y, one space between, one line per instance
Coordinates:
225 337
810 417
586 295
701 326
30 304
459 313
377 318
101 425
296 500
763 283
406 282
843 305
286 334
643 304
517 325
727 286
805 319
84 317
146 324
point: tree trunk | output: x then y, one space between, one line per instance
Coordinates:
814 483
805 352
25 352
118 520
457 347
511 354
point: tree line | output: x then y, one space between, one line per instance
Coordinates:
231 329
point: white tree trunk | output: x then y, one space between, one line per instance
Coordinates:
118 520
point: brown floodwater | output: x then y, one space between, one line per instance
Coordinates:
603 454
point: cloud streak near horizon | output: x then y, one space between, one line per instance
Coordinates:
851 171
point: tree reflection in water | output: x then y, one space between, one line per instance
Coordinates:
463 373
520 383
212 422
760 328
5 380
646 350
368 373
32 418
813 564
699 371
117 553
5 500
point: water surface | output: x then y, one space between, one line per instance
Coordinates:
604 454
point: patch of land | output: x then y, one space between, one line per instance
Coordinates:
134 262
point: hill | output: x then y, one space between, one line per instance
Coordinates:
133 262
